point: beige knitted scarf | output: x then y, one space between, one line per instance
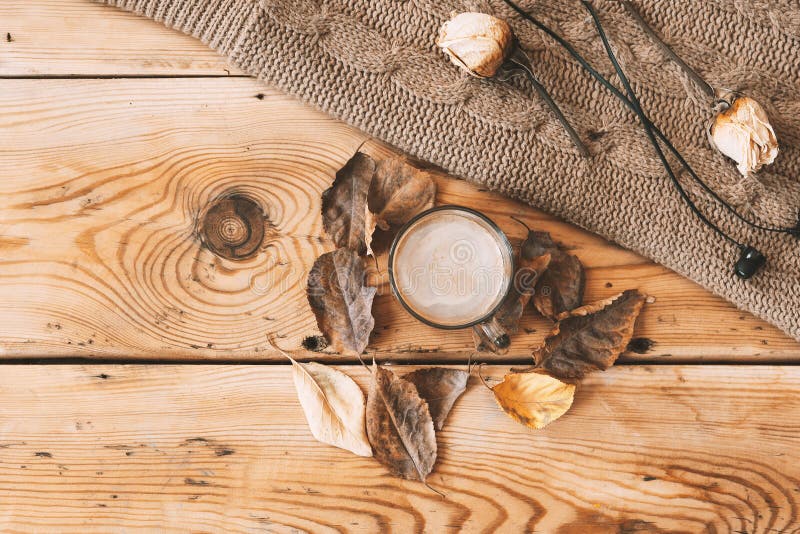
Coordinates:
374 64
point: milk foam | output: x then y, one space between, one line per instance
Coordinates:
451 267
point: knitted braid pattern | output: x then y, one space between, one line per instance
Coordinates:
374 64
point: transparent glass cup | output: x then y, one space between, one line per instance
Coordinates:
451 267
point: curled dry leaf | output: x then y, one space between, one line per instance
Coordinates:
440 388
560 288
591 337
341 302
527 274
535 398
345 215
399 191
399 426
333 405
506 319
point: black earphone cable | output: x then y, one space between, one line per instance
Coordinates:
648 127
795 231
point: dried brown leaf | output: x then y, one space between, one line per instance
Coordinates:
531 264
440 387
333 405
527 274
344 204
561 287
399 191
591 337
534 399
341 302
399 426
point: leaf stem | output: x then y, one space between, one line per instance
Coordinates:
469 363
442 495
481 376
520 221
696 78
520 59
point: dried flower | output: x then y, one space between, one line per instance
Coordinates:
743 133
476 42
741 130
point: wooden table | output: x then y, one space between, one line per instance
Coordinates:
115 135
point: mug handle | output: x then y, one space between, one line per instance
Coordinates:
492 332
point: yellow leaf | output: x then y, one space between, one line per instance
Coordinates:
334 406
535 399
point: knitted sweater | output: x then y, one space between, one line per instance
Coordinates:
374 64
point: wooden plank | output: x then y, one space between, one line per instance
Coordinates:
104 182
84 38
226 448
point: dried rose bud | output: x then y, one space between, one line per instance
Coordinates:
476 42
743 133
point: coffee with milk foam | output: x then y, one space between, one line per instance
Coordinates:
451 267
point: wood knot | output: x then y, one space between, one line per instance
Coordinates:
233 227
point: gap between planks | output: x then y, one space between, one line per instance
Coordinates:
440 361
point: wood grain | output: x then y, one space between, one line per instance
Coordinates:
226 448
85 38
104 185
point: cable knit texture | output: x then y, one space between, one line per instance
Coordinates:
374 64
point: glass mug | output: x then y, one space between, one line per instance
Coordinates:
451 267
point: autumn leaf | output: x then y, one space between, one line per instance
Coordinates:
527 274
561 286
534 398
531 264
399 426
440 387
345 213
399 191
591 337
341 302
333 405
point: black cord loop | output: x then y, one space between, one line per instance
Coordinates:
794 231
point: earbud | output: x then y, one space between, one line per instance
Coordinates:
749 262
